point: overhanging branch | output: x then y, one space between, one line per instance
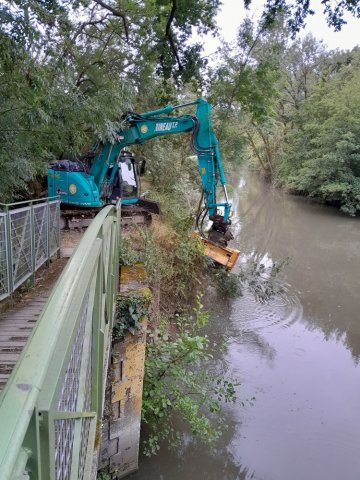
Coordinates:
116 13
169 36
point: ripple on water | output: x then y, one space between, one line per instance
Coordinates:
281 311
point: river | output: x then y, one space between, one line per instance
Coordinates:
298 354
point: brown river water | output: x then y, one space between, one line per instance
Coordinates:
298 354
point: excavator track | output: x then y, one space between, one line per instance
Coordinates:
135 215
79 219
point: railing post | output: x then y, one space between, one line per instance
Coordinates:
98 339
48 233
9 252
58 228
32 242
117 246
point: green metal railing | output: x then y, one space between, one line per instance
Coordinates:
52 404
29 236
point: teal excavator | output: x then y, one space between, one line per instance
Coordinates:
112 173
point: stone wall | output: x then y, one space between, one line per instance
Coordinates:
122 413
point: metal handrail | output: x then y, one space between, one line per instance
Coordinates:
23 202
29 236
29 405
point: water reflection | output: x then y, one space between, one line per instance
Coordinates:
195 461
323 247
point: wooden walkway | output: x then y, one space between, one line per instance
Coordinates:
15 328
17 323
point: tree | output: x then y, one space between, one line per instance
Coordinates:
322 155
245 89
68 72
299 10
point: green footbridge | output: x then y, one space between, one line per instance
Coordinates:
51 407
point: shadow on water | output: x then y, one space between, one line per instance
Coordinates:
190 460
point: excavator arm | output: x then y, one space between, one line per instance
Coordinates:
143 127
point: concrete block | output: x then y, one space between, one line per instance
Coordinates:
115 410
110 448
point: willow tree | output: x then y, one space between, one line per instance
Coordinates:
68 71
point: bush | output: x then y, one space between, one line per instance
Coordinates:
177 384
130 311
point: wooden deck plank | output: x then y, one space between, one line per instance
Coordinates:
11 344
21 316
6 336
9 358
16 326
18 322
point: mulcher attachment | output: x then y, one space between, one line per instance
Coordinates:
222 255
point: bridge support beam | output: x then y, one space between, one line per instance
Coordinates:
123 399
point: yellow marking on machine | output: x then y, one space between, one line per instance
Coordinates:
72 188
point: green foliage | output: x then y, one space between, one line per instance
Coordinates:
128 255
172 24
174 175
172 257
155 258
47 110
201 315
187 256
103 476
227 283
322 157
69 71
177 384
299 10
245 87
173 264
303 132
247 73
130 312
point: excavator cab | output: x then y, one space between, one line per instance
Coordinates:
126 182
128 178
128 187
